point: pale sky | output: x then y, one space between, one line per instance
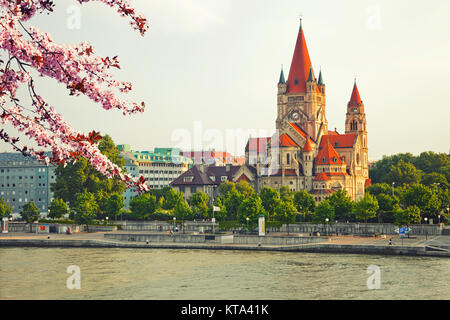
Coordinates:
210 68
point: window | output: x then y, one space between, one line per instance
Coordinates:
223 178
188 178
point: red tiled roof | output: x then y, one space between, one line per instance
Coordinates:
307 147
368 183
339 140
337 173
284 141
327 154
322 177
299 130
290 172
355 99
332 133
300 66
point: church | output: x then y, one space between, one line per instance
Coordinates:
304 154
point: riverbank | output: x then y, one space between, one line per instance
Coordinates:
433 247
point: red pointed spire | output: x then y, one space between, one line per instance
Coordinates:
307 147
300 66
355 100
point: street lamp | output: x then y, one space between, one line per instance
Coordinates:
174 219
107 223
426 230
439 218
326 220
247 223
393 184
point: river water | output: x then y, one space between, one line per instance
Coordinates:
41 273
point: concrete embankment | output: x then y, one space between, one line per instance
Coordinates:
314 248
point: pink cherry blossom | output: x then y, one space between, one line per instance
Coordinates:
78 68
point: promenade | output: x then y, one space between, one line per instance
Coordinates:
436 246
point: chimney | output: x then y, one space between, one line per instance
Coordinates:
228 167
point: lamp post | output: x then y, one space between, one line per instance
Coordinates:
426 230
174 219
439 218
326 220
393 184
247 223
107 223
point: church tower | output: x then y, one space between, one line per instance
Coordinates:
301 99
355 123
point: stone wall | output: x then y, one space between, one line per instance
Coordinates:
55 228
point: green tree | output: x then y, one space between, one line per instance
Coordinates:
30 213
305 204
80 176
171 199
366 208
219 215
225 188
85 208
251 208
405 217
434 178
199 202
114 205
270 199
404 173
232 200
430 161
142 206
425 198
342 204
182 212
323 211
286 194
378 174
286 212
244 188
58 209
5 209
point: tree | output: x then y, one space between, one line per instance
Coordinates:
342 204
366 208
386 205
270 199
250 208
323 211
405 217
31 51
404 173
182 211
80 176
434 178
423 197
286 194
171 199
379 172
219 215
225 188
432 162
30 213
286 212
305 204
114 205
244 188
58 209
85 208
199 202
232 201
5 209
142 206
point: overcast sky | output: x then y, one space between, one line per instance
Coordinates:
209 68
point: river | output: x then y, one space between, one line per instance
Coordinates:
41 273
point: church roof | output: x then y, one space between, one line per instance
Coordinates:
299 130
322 177
300 66
284 141
355 99
327 154
339 140
307 147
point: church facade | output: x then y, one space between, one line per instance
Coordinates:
304 154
